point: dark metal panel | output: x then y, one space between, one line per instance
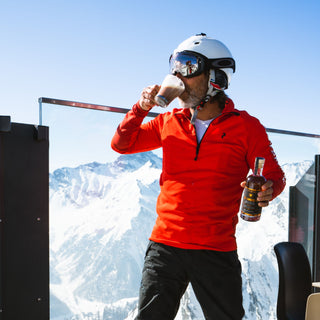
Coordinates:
24 203
292 214
5 123
304 216
316 245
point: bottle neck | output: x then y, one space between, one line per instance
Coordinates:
258 171
258 166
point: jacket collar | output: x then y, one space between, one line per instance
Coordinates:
228 108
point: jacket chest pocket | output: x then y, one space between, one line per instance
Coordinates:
223 150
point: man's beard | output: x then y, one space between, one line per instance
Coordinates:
192 97
191 101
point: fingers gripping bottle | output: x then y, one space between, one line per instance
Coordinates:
250 211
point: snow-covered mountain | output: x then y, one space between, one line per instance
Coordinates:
101 216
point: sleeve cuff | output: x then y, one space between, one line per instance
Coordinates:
139 111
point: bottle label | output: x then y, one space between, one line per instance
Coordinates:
250 204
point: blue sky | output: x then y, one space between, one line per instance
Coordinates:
106 52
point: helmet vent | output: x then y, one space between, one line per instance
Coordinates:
197 42
224 63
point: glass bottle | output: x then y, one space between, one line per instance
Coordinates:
250 211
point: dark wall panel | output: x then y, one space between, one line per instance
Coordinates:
24 225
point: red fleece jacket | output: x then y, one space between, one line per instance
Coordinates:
200 182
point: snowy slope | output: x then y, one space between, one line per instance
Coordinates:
101 216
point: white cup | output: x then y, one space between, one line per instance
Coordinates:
171 88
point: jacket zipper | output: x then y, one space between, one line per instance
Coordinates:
197 151
199 143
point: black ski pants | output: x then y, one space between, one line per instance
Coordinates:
215 278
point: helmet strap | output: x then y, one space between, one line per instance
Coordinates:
197 108
213 89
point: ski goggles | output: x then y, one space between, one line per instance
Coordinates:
191 64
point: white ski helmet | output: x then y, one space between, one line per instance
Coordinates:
213 55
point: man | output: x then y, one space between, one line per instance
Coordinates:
208 149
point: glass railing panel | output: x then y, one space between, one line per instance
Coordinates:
302 212
79 136
291 148
102 210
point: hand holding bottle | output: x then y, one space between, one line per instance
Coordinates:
265 195
257 193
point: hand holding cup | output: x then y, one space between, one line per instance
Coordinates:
171 88
147 99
